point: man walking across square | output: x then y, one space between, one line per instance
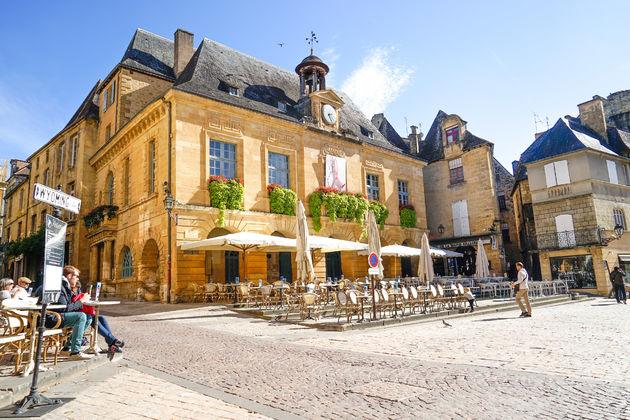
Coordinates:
522 280
616 277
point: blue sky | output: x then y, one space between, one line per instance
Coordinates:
495 64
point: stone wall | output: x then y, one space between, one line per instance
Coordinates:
137 90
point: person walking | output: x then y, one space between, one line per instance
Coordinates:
616 277
522 281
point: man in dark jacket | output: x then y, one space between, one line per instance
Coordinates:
616 277
70 315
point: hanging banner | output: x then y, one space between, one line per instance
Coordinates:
336 172
53 257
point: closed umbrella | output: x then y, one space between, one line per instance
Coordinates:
425 265
303 251
374 246
481 262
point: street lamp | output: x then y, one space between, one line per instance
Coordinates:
440 229
169 202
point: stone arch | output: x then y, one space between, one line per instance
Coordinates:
122 251
149 270
411 243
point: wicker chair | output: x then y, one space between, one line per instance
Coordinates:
242 294
386 304
13 336
353 307
309 306
211 292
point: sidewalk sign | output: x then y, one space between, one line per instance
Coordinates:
53 258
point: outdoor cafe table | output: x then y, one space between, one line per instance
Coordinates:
95 349
395 294
362 297
425 291
282 289
34 311
329 284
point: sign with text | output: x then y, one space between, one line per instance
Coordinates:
53 257
56 198
373 271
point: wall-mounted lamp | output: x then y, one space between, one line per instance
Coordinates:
440 229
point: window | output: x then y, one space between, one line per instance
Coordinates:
62 151
73 155
565 232
576 270
461 226
279 169
624 175
9 208
8 235
127 265
70 189
619 219
46 177
21 199
151 167
127 181
367 133
612 172
19 234
505 233
557 173
372 187
37 163
105 101
110 189
36 181
112 92
233 91
108 132
456 170
403 193
43 218
34 223
47 155
501 200
452 135
222 159
282 106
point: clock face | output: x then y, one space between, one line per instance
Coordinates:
329 114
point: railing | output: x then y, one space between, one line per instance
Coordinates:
568 239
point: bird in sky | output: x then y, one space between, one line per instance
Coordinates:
281 44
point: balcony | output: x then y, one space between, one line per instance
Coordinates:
569 239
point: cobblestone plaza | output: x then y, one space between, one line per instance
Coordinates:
565 362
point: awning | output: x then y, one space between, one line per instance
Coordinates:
324 244
408 251
624 257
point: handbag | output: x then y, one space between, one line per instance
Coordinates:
516 288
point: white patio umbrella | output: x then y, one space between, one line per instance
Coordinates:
242 241
374 246
425 266
481 261
303 257
324 244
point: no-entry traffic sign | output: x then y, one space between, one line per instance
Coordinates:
373 260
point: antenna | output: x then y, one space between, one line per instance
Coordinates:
547 120
538 120
406 127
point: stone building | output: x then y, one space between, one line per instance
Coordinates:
573 183
60 162
171 117
467 193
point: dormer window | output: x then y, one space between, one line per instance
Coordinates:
282 106
233 91
452 135
367 133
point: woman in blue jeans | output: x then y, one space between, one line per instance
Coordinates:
113 344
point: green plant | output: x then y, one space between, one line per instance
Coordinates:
32 244
315 206
281 200
380 212
408 216
96 216
338 204
225 193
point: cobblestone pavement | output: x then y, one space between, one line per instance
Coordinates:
565 362
130 394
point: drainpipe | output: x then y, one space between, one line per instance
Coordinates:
168 215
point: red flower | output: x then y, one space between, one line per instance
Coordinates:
272 187
406 206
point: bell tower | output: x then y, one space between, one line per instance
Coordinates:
312 71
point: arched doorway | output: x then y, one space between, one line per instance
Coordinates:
149 267
279 263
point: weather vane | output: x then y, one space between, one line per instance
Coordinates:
312 40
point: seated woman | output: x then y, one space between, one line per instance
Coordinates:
113 344
6 285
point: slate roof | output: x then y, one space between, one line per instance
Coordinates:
389 132
151 54
566 136
432 149
619 140
214 68
89 107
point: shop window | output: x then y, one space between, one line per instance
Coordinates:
577 271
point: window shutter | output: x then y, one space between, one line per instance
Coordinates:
463 214
550 175
562 172
612 172
456 227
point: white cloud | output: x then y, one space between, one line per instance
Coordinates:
377 82
330 57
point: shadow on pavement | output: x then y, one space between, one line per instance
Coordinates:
495 319
178 318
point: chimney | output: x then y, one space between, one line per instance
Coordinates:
515 165
592 116
414 140
183 50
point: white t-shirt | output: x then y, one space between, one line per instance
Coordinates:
523 279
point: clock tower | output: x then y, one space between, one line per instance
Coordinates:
315 100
